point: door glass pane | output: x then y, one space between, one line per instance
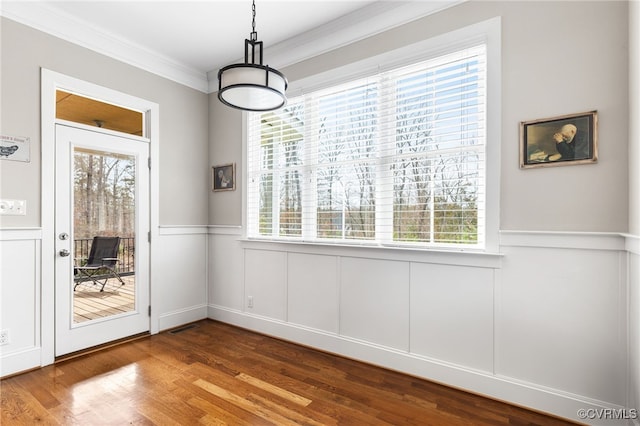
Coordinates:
103 207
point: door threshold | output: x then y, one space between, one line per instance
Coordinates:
93 349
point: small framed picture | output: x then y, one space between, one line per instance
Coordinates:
558 141
224 177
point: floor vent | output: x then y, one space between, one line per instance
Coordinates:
181 329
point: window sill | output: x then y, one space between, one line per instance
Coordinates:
467 257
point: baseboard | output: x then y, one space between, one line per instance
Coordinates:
184 316
20 361
528 395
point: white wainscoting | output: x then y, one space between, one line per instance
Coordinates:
633 248
20 254
551 323
180 275
544 324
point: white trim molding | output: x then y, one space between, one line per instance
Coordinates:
365 22
632 243
561 239
17 362
51 20
226 230
180 317
16 234
182 229
50 82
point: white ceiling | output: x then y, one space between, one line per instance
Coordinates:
188 41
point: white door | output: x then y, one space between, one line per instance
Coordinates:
102 189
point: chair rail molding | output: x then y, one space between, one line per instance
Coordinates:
563 239
13 234
632 243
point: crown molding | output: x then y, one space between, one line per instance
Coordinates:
52 21
366 22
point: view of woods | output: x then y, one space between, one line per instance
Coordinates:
396 157
437 167
104 194
347 163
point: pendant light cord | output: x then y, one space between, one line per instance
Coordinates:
254 34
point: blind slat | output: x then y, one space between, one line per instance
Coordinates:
396 158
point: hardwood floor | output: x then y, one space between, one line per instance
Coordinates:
212 373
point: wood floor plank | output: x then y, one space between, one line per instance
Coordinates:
244 403
19 406
227 408
41 393
296 417
217 374
215 414
297 399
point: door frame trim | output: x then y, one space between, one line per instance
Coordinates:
50 82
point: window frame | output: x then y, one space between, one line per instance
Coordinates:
488 32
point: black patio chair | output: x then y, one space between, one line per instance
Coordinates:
101 263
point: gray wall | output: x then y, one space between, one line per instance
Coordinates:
634 117
225 134
183 121
557 58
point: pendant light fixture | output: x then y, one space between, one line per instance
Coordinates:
252 86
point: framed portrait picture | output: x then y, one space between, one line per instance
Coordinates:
224 177
558 141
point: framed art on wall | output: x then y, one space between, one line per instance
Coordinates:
564 140
224 177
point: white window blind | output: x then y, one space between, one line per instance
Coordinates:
397 158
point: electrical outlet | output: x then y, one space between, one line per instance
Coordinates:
250 302
4 337
13 207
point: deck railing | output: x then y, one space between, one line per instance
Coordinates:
126 253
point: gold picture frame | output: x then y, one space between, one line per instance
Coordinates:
559 141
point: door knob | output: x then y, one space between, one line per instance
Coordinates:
64 253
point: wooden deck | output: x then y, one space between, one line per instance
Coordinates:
90 303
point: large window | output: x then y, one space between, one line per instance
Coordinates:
396 158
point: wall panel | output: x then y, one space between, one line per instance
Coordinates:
181 283
313 291
20 253
265 274
562 322
452 314
226 271
374 301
